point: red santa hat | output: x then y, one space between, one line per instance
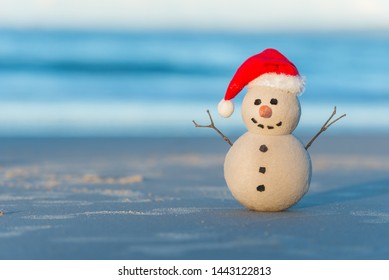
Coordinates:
268 68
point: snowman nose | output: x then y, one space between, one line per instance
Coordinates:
265 111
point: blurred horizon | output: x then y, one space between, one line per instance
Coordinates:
200 15
62 73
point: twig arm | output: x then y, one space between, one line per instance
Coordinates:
325 126
212 125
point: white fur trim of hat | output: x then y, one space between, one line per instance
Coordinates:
293 84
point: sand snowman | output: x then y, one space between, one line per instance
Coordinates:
267 168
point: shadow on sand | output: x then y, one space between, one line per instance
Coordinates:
345 194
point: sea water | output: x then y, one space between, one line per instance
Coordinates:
91 83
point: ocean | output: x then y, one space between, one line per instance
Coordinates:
100 83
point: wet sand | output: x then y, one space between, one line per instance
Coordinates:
167 199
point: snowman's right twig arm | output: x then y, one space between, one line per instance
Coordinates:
326 125
212 125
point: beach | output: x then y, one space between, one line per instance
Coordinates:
166 198
99 158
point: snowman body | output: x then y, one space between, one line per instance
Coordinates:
267 173
268 168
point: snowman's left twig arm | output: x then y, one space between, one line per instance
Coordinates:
212 125
326 125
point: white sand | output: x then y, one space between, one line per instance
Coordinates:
167 199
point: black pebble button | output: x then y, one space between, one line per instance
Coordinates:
261 188
263 148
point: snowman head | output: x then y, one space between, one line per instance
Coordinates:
270 111
270 106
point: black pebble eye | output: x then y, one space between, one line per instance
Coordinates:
274 101
257 101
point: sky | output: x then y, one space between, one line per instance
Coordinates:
250 15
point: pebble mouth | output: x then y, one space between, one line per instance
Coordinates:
263 126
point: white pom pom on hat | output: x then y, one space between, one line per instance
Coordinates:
268 68
225 108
